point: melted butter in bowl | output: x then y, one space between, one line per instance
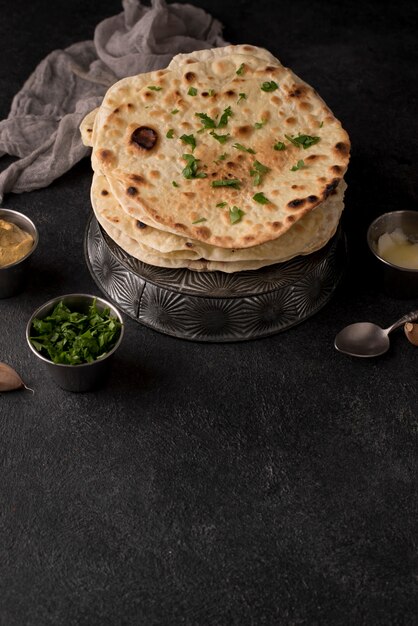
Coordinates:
393 240
396 248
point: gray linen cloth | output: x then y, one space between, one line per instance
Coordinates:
42 126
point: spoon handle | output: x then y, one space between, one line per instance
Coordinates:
409 317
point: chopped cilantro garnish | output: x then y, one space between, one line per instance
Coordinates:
207 121
259 125
239 146
173 182
235 214
220 138
71 337
190 171
190 140
261 198
242 96
299 165
170 133
221 204
224 117
257 172
279 145
221 158
211 93
303 141
240 71
227 182
269 86
174 111
154 88
192 91
201 219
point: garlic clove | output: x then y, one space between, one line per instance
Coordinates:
10 379
411 332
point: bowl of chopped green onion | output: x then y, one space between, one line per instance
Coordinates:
75 335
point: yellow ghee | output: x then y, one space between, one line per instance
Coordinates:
396 248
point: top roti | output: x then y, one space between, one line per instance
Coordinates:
257 129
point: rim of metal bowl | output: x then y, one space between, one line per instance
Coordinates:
35 239
57 299
372 242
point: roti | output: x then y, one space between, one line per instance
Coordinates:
262 148
306 236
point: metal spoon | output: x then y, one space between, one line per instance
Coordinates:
365 339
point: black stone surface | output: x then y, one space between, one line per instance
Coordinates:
271 482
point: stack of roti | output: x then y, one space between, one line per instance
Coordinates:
225 160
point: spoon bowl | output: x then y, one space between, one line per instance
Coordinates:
365 339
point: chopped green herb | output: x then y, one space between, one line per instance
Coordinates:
258 171
259 125
190 171
241 70
207 121
174 111
279 145
71 337
321 124
220 138
190 140
221 204
192 91
201 219
227 182
239 146
235 214
303 141
269 86
299 165
211 93
221 158
170 133
154 88
224 117
261 198
242 96
173 182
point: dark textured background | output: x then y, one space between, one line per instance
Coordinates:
272 482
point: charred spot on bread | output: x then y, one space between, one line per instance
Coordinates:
144 137
106 156
342 148
136 178
190 76
296 203
203 232
332 186
244 131
140 224
132 191
104 192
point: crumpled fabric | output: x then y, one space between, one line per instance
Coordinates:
42 128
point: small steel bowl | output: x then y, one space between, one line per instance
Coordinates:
399 282
12 277
86 376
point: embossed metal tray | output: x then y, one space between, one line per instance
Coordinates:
214 306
